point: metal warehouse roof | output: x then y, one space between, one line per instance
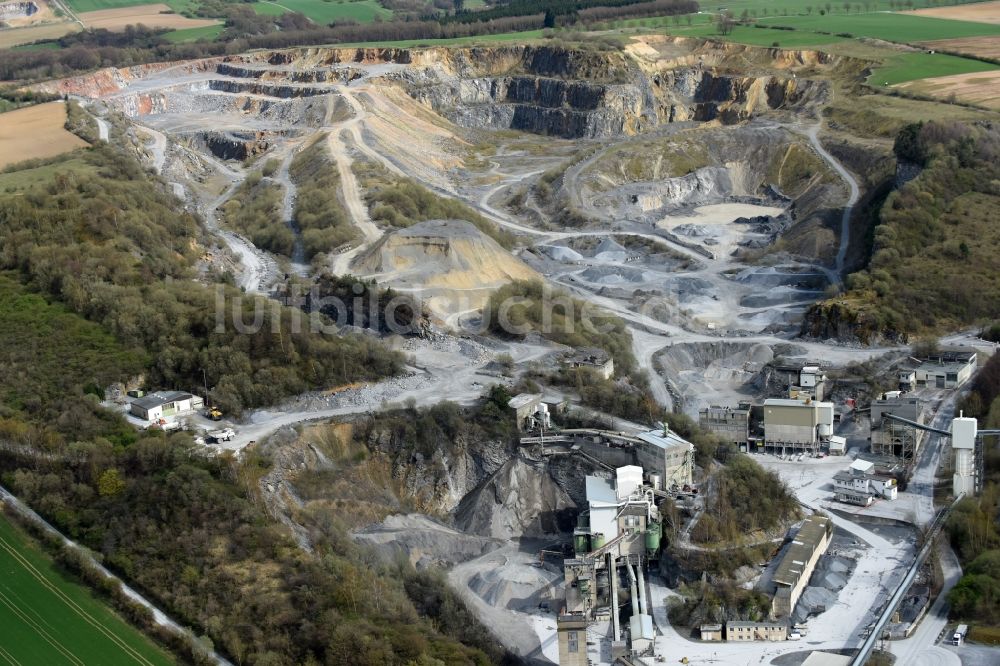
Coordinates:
656 438
523 399
806 541
161 398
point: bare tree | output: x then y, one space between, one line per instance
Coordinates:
725 23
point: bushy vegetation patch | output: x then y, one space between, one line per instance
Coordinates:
746 499
933 235
529 306
254 210
319 214
401 202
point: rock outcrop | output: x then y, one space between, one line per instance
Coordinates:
237 145
844 321
556 91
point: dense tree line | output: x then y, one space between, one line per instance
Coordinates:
609 12
112 246
983 399
565 7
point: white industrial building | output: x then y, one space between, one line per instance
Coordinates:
947 369
165 404
617 533
674 453
860 485
798 563
619 507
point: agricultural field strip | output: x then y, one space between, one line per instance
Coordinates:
89 619
893 27
8 657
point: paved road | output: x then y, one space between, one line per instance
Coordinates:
920 649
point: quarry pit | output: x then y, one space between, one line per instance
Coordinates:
674 183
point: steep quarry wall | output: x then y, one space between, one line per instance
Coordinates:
111 80
237 145
565 93
552 90
545 89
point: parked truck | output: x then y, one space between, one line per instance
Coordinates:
223 435
960 633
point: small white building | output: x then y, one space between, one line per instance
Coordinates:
860 479
838 445
165 404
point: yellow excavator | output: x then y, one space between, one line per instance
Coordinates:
214 414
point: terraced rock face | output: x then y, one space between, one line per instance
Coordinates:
542 89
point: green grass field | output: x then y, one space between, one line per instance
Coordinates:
46 619
896 67
914 66
762 36
323 12
80 6
890 27
194 34
527 35
17 179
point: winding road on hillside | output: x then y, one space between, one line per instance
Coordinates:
837 277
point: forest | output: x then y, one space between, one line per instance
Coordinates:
108 242
254 210
319 214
